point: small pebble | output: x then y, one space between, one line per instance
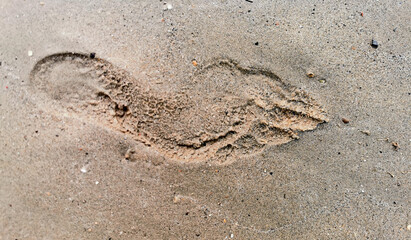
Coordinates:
92 55
30 53
395 145
374 44
409 227
177 199
42 3
83 170
366 132
345 120
310 75
322 80
168 6
195 63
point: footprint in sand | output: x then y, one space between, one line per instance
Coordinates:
225 112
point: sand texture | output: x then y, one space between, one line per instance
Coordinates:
205 119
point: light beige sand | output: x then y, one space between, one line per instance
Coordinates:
200 120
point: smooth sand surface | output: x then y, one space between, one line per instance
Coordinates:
205 119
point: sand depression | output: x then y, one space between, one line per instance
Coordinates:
225 112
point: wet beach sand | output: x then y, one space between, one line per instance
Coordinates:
205 119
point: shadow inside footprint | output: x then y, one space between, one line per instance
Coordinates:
224 112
